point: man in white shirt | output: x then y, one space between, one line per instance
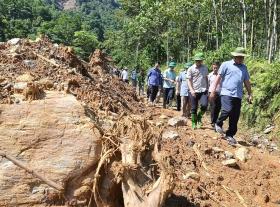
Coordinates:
215 103
125 75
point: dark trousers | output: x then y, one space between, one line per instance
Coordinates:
178 102
148 91
215 108
168 95
230 108
154 91
202 98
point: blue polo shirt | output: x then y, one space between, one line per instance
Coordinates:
233 76
184 83
154 77
170 74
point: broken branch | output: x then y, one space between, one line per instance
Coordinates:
32 172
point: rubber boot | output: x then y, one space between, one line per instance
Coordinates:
194 121
199 118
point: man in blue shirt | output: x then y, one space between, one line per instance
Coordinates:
169 78
186 106
154 82
232 74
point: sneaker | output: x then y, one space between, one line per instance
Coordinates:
231 140
219 129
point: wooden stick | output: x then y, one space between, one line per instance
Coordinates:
46 59
212 197
32 172
197 152
96 176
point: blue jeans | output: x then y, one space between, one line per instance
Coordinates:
230 109
168 95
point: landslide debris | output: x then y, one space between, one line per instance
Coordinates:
127 168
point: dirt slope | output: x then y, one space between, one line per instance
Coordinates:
254 183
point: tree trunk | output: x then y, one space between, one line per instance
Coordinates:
244 24
216 23
273 34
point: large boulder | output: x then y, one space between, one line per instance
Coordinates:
55 138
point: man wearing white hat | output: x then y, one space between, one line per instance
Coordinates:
232 74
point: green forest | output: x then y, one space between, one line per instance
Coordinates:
137 33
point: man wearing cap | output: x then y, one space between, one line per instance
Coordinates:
215 104
169 78
198 86
232 74
184 90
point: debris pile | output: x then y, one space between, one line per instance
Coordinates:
39 81
43 65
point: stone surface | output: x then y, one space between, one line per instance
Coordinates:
217 149
170 135
177 121
230 163
228 155
163 116
242 154
192 175
53 136
268 130
14 41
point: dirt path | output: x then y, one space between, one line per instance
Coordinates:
205 181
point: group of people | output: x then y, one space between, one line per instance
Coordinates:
195 87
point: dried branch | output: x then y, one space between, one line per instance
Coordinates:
32 172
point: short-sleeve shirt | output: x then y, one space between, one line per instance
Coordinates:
198 76
211 80
124 75
170 74
184 83
233 76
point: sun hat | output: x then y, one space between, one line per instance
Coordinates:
172 64
198 56
239 51
187 65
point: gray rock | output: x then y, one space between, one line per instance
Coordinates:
177 121
192 175
14 41
230 163
30 63
228 155
163 117
217 149
170 135
268 130
242 154
273 146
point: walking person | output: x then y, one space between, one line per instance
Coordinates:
178 96
133 77
157 65
169 82
232 75
141 82
198 86
154 82
215 103
124 75
184 91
